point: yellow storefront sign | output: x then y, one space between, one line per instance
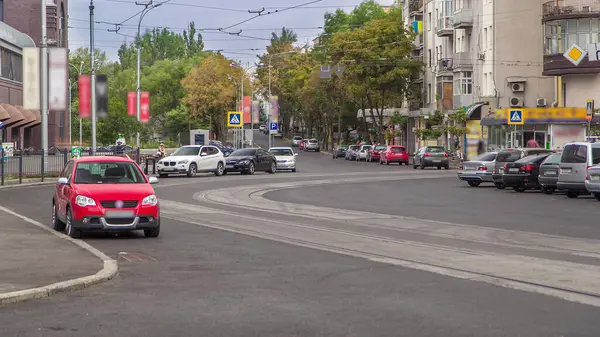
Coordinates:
545 115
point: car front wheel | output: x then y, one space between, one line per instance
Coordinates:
152 233
192 170
220 170
56 223
250 168
69 229
273 168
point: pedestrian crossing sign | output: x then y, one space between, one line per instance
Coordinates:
234 119
515 117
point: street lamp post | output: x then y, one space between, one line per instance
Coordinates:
79 72
147 8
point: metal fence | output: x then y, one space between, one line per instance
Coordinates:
21 166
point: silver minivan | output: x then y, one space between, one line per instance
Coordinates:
575 161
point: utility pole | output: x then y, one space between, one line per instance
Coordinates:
44 86
79 72
92 77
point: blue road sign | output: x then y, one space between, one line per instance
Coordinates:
273 126
234 119
515 116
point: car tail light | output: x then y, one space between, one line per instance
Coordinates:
426 154
587 173
505 168
460 168
445 154
526 168
482 168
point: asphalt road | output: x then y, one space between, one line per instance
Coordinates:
196 280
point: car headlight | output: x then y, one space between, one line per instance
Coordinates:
185 161
245 161
83 201
150 200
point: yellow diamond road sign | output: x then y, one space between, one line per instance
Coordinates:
575 54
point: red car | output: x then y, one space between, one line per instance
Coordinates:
302 144
105 194
394 154
374 153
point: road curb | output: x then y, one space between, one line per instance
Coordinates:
25 184
109 270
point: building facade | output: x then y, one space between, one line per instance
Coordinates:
20 27
485 55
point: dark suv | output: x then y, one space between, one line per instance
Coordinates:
510 156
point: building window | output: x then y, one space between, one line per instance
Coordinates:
11 65
61 126
490 41
429 21
560 34
429 59
485 85
485 39
428 94
463 83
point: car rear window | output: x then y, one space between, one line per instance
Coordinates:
312 141
487 157
281 152
574 154
596 155
397 149
508 156
536 158
552 159
354 147
435 149
297 138
380 147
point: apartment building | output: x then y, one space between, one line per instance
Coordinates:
482 55
20 27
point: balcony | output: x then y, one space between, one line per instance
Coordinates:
444 27
415 7
462 61
557 65
463 18
444 65
570 9
418 43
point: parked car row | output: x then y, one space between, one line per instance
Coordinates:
574 171
306 144
372 153
193 159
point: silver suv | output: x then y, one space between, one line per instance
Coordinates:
575 161
312 145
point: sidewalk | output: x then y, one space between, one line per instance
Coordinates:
32 257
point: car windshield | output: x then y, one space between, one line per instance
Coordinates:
380 147
108 173
367 147
487 157
187 151
243 153
281 152
397 149
354 147
297 138
553 159
508 156
341 147
435 150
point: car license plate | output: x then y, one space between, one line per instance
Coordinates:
500 170
169 169
437 161
550 173
513 170
595 177
229 166
565 171
119 214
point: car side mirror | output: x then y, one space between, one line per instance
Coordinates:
63 181
203 154
153 180
226 154
295 154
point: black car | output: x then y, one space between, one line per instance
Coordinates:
248 161
523 174
339 151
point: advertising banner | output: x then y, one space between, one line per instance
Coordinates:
145 107
247 110
31 78
256 112
85 95
101 96
58 76
131 103
274 109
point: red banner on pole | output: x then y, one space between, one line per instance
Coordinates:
85 96
145 107
131 103
247 108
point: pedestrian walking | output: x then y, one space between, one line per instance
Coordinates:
481 147
532 142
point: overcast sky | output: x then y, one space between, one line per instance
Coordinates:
177 13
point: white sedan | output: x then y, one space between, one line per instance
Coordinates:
191 160
286 158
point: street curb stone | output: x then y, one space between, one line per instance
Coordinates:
26 184
109 270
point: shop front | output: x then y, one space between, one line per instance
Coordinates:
549 128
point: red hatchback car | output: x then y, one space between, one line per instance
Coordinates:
394 154
374 153
105 194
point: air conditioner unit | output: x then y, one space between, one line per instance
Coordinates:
541 103
481 56
516 102
517 87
